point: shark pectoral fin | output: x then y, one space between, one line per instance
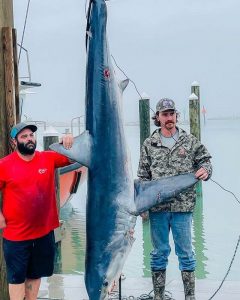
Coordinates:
80 150
123 84
151 193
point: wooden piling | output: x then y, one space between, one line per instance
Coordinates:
194 116
48 140
144 118
16 77
195 88
195 126
9 81
195 129
6 20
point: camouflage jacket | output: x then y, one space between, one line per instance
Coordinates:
186 156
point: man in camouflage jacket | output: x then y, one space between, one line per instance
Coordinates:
171 151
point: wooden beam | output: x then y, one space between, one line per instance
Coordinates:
6 20
16 77
6 13
9 81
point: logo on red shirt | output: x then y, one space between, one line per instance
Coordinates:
42 171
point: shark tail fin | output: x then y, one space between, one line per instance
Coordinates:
151 193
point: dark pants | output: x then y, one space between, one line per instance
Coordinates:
31 259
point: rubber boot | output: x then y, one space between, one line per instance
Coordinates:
158 279
188 279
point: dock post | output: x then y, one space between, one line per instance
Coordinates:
195 129
195 125
7 118
144 118
9 80
51 136
194 116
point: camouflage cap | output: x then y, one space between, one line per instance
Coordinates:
165 104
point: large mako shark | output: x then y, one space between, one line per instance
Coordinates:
114 200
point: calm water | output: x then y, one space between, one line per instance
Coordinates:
216 225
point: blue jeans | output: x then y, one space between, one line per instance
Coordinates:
180 225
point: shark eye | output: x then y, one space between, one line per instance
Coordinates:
105 283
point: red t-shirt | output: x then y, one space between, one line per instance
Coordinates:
29 197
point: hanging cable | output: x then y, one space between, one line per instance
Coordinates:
149 296
224 278
126 76
130 81
236 248
225 190
24 28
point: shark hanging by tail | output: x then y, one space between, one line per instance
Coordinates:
114 200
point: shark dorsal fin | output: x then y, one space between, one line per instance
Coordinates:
123 84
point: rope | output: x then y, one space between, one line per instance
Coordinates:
115 296
236 248
235 252
24 27
130 81
226 190
127 77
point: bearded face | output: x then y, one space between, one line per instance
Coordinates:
167 119
25 142
26 148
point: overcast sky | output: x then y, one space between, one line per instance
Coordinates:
163 46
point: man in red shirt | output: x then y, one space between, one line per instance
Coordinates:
29 212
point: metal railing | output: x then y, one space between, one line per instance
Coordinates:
78 124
